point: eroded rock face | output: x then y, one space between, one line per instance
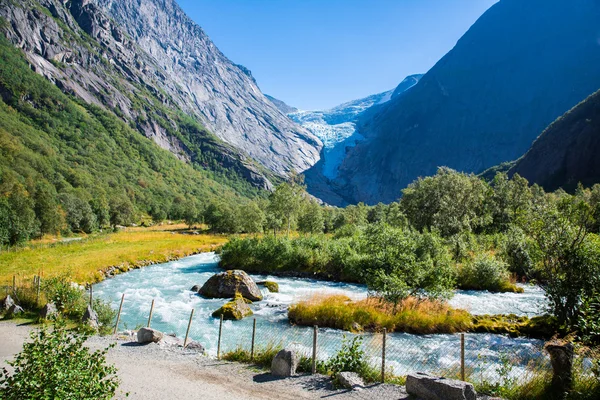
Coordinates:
285 363
427 387
149 335
227 284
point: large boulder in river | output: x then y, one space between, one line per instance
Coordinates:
236 309
227 284
427 387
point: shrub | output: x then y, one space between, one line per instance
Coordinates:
57 365
70 300
484 272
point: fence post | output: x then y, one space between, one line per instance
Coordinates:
37 296
151 311
253 336
91 295
383 355
14 288
219 342
188 329
119 314
314 355
462 356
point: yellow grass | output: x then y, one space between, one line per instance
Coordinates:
373 314
84 259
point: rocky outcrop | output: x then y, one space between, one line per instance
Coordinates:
566 153
229 283
281 106
149 335
518 68
235 310
427 387
205 83
285 363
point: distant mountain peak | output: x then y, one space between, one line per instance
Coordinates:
281 105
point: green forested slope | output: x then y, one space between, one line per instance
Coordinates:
69 165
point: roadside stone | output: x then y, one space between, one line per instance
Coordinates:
427 387
236 309
227 284
561 356
90 317
195 346
48 311
350 380
149 335
14 310
285 363
7 303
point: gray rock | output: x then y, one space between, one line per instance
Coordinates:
195 346
285 363
90 317
48 311
350 380
7 303
227 284
195 288
149 335
14 310
427 387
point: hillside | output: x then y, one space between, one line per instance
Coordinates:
69 165
518 68
566 153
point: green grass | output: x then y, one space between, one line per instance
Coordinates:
84 259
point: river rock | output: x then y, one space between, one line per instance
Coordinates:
48 311
236 309
90 317
149 335
7 303
227 284
427 387
350 380
195 288
273 287
285 363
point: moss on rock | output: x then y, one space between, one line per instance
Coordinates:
236 309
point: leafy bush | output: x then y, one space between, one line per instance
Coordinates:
484 272
57 365
69 299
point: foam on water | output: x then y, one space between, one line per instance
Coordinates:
169 283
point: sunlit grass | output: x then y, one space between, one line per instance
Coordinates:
373 314
84 259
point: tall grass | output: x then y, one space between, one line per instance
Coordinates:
373 314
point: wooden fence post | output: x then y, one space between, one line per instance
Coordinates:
14 288
151 311
187 332
383 355
91 296
219 342
462 356
119 314
37 296
314 354
253 336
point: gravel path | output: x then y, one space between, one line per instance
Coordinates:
165 371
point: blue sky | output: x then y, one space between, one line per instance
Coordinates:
316 54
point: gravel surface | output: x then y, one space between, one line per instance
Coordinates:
166 371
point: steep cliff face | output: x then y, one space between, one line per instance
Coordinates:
281 105
520 66
204 83
566 153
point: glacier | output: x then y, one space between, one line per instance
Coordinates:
336 127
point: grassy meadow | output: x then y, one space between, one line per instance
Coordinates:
85 257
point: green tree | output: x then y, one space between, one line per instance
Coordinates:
47 210
121 210
286 201
79 214
311 220
252 218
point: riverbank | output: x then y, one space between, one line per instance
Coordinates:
91 259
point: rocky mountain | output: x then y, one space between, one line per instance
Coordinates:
566 153
147 62
518 68
281 105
